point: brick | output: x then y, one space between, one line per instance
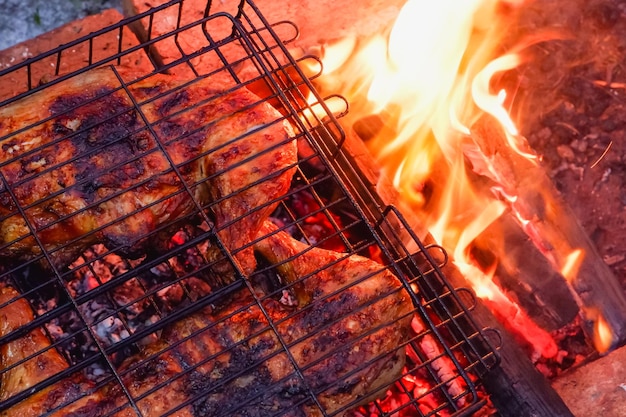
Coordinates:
76 57
597 388
318 22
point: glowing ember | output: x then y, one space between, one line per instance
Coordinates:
604 338
509 313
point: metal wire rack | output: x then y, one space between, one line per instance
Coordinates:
189 302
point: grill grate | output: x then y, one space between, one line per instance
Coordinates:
189 302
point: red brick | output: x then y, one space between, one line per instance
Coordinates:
318 22
74 58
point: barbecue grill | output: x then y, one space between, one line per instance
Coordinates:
117 298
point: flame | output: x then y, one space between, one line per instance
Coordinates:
427 81
572 264
431 78
605 338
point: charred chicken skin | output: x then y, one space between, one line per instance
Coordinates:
90 161
346 343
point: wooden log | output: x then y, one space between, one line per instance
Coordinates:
522 271
516 387
556 232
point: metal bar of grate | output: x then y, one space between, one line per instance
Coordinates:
195 239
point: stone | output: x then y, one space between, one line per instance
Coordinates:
597 388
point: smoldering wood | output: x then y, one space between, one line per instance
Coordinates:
553 228
524 272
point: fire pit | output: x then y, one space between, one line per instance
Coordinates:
312 299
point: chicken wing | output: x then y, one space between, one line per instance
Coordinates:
89 161
259 358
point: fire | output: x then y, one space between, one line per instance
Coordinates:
426 82
604 338
431 76
604 341
572 263
421 77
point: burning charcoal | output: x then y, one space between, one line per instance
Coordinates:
196 288
440 362
318 226
171 295
72 339
288 298
418 387
138 301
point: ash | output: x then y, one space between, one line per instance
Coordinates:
142 297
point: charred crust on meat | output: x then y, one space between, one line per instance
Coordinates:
88 189
148 91
255 351
67 102
173 101
33 164
67 392
91 124
7 204
6 147
59 129
256 395
327 311
168 129
153 368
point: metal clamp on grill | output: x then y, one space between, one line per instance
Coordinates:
193 240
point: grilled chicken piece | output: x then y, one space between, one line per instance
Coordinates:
88 167
348 337
346 344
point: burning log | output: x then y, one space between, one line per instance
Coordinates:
554 229
523 271
516 387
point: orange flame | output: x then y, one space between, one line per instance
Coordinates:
605 338
435 60
572 264
428 81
